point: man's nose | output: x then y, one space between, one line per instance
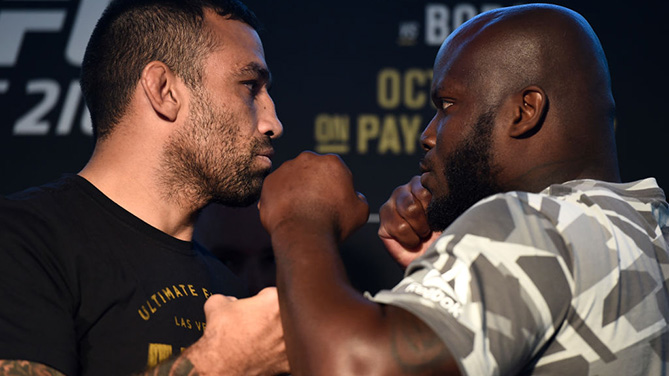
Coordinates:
268 122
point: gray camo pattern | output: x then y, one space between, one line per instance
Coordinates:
570 281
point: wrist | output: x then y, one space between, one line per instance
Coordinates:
294 235
206 360
297 227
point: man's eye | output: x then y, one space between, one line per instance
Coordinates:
253 86
445 104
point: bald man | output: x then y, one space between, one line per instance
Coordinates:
524 252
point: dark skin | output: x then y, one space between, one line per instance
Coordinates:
552 122
333 329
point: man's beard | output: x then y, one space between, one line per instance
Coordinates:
470 175
208 161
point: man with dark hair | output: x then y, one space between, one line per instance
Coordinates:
100 274
132 33
547 264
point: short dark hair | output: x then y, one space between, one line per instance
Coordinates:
132 33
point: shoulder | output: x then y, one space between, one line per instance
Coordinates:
515 229
50 196
506 216
563 218
583 202
37 221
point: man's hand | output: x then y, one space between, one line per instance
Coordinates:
404 228
313 193
242 337
308 205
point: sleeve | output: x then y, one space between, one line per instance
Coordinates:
494 286
37 309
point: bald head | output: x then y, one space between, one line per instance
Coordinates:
538 44
547 59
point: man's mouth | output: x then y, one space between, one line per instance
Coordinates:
425 171
265 155
423 166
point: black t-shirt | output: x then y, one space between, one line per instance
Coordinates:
88 288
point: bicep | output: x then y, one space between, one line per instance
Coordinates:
26 368
415 348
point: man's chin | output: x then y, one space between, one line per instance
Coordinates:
442 211
435 217
259 172
244 195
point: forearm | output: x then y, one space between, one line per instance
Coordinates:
330 328
25 368
307 205
176 366
327 324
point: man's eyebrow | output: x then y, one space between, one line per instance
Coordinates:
434 92
257 70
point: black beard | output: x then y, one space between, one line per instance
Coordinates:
470 176
241 189
200 172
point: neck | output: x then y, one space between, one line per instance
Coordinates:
540 176
134 185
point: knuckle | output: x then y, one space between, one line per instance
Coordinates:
400 190
423 194
413 210
403 229
404 200
385 209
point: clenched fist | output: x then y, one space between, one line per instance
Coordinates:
313 193
404 228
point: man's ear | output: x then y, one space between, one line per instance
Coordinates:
529 111
160 87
